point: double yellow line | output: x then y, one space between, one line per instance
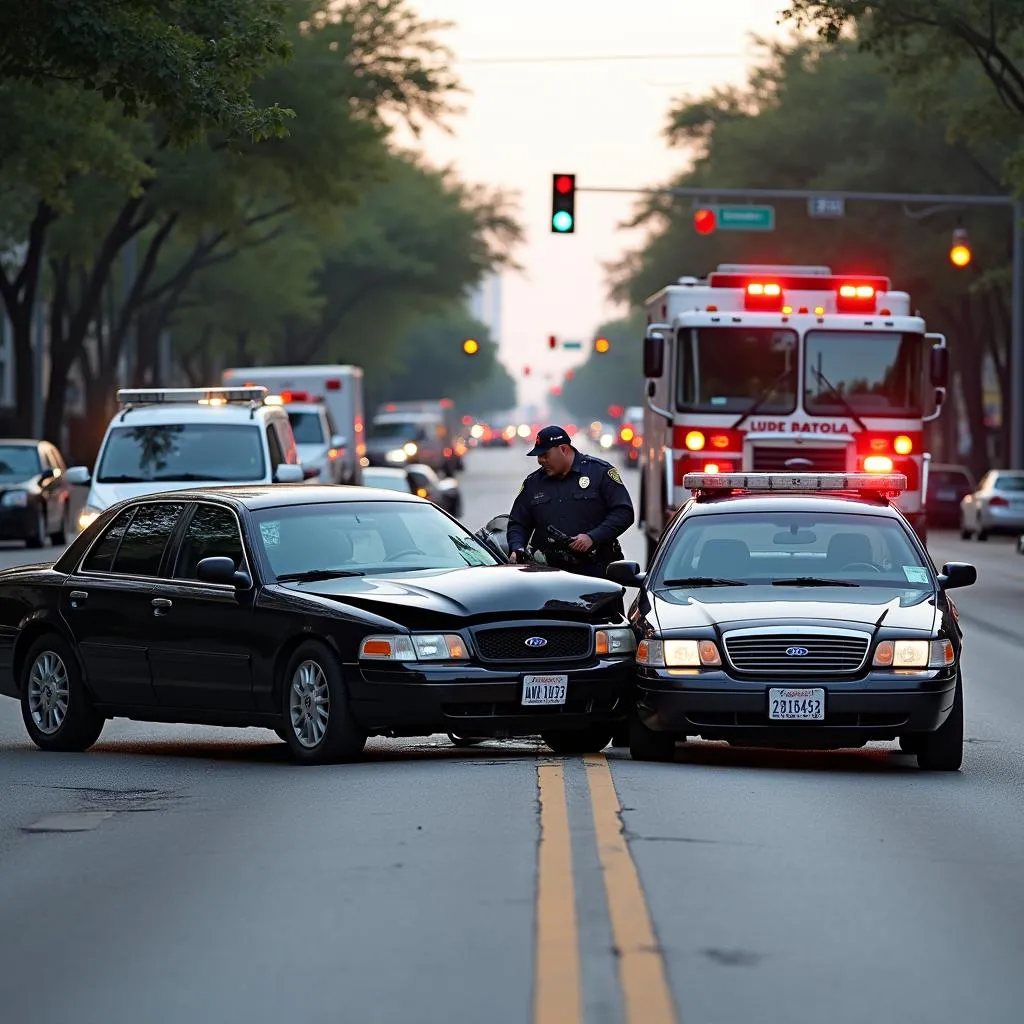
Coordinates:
557 990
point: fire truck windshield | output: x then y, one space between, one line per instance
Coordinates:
868 372
729 369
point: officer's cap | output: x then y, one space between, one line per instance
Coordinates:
548 438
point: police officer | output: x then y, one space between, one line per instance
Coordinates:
581 496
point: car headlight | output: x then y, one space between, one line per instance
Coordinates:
414 647
15 499
678 653
410 448
897 654
397 455
88 516
615 641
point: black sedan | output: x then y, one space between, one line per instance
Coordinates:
34 494
328 614
810 618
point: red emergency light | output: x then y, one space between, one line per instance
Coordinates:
333 384
763 295
856 298
287 397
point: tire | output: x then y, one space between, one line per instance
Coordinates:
943 750
464 741
965 534
39 539
281 731
591 740
647 745
620 738
50 681
313 681
60 537
910 743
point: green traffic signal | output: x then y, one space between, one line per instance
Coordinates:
562 221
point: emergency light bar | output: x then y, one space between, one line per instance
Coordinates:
201 396
887 484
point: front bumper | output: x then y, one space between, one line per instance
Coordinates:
712 705
418 700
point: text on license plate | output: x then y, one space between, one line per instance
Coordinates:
544 689
796 705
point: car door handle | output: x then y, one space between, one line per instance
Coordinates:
79 595
161 604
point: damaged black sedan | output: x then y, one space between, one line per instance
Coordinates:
326 614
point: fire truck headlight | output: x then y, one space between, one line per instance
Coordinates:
694 440
903 445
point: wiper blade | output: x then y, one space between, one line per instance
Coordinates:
702 581
762 398
812 581
317 574
844 402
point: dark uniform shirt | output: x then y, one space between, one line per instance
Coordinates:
591 498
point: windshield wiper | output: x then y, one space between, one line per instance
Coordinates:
843 400
317 574
812 581
123 478
763 397
702 581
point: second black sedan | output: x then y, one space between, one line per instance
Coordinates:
328 614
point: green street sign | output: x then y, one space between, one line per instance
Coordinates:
745 218
572 344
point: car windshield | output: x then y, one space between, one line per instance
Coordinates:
389 481
221 452
399 430
19 461
868 372
734 369
760 548
365 537
308 427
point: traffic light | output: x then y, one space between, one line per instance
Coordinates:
563 203
960 250
704 221
470 347
552 341
526 371
602 345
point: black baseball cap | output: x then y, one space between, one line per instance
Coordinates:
548 438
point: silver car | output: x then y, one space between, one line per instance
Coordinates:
996 506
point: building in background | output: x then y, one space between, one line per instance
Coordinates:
484 304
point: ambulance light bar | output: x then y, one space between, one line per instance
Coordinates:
882 484
200 396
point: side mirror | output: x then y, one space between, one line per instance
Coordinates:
79 476
957 574
220 569
654 355
337 441
938 367
626 574
289 473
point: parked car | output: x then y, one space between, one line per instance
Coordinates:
948 485
429 485
997 506
389 479
35 499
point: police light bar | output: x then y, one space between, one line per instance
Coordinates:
888 484
201 396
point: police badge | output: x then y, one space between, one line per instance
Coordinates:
584 481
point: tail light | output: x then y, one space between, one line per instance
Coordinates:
718 467
333 385
626 433
998 502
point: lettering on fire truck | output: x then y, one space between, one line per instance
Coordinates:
790 427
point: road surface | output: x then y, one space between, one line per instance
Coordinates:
192 874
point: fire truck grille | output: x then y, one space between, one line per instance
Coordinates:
822 459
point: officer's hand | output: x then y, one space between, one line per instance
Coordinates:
581 542
514 556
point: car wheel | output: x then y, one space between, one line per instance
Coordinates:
591 740
943 750
55 706
38 539
60 537
464 741
319 727
647 745
910 743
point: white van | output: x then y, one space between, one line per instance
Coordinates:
165 439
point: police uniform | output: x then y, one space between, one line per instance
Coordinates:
591 498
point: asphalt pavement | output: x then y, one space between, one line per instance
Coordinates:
179 873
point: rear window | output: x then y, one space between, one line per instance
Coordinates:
944 478
308 427
1005 482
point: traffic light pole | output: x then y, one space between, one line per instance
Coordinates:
1016 402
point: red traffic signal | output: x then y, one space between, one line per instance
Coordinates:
563 183
526 371
704 221
552 341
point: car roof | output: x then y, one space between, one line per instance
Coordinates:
259 496
304 407
193 412
763 502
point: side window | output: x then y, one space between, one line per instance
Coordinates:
146 538
101 557
211 533
276 455
332 428
286 437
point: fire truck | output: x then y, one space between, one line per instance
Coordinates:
776 368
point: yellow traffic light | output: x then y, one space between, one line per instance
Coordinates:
470 347
602 345
960 251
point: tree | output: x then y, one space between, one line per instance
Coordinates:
826 117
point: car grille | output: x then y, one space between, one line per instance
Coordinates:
826 655
564 643
823 459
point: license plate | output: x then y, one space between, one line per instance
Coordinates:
544 689
796 705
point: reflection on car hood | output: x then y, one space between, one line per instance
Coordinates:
765 605
484 591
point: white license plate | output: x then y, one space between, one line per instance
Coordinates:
544 689
796 705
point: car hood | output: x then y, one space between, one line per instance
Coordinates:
481 592
867 606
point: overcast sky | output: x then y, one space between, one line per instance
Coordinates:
599 119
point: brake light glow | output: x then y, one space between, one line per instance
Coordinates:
718 467
294 396
626 433
998 502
